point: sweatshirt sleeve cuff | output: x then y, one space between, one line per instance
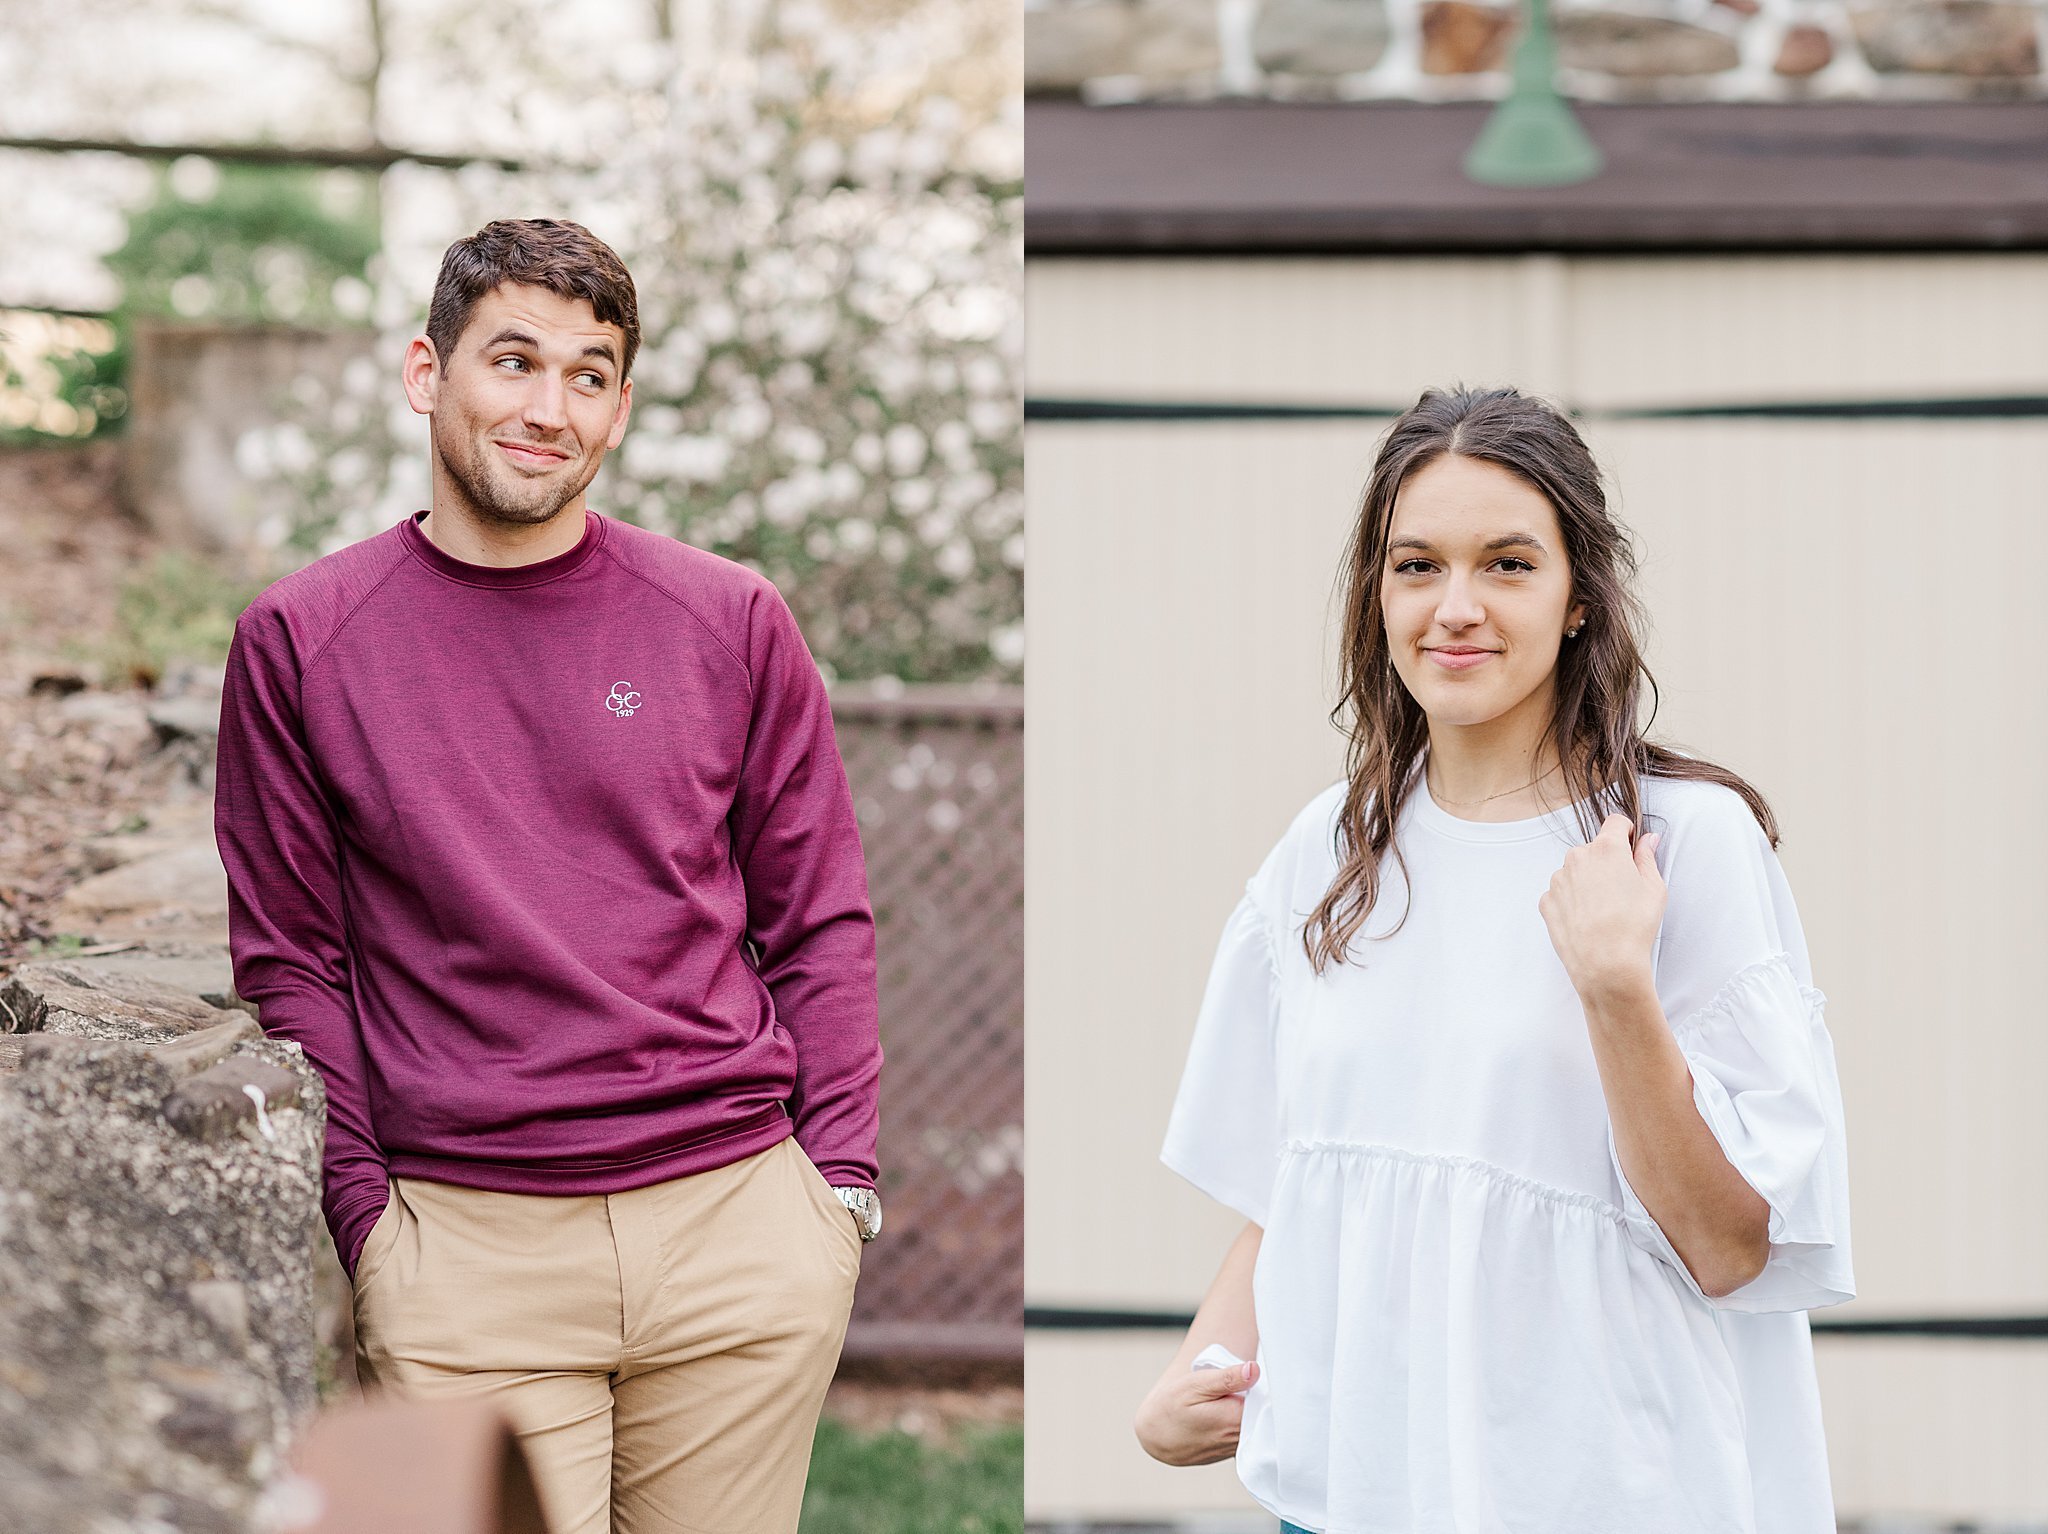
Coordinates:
351 1215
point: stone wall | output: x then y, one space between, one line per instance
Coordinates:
157 1219
198 393
1609 50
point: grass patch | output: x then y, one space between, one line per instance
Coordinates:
179 608
54 947
893 1483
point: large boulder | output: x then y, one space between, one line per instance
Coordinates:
118 722
148 995
157 1232
178 892
1069 44
1320 39
1631 46
1976 38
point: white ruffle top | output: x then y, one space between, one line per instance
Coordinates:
1468 1323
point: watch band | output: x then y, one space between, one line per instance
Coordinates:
865 1205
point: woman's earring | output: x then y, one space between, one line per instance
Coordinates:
1573 632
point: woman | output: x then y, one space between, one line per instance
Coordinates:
1511 1059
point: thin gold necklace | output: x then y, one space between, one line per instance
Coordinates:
1466 804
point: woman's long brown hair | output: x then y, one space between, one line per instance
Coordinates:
1597 728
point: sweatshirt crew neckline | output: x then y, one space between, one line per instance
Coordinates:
539 573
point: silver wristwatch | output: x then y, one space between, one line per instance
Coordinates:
865 1204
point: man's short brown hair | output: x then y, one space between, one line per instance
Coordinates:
565 258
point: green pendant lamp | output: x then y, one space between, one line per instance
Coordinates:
1532 139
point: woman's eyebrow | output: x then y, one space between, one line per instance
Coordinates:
1492 545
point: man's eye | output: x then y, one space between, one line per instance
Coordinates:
518 362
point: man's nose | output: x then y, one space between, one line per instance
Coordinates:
547 404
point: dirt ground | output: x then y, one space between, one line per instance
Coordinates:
65 550
926 1412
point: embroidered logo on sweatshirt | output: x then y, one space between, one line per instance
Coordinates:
623 700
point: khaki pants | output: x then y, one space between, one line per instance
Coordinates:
662 1353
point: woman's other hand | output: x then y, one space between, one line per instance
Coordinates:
1192 1417
1603 909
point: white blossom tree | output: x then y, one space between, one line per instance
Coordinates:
828 252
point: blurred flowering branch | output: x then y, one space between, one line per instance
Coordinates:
829 258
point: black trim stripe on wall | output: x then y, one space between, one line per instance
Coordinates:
1063 1318
1998 407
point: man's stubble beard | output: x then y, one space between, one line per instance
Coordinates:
474 480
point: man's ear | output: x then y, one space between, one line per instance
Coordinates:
618 430
422 375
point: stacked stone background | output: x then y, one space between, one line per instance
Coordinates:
157 1225
1111 51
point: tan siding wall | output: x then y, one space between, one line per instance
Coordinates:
1848 612
1178 667
1936 1429
1606 332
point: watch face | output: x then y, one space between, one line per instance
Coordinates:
866 1206
869 1212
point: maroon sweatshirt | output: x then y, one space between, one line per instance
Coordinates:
551 870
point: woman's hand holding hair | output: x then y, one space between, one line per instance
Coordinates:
1603 909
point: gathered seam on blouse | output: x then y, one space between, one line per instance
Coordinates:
1722 1004
1486 1170
1269 939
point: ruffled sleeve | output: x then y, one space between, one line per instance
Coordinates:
1732 974
1224 1135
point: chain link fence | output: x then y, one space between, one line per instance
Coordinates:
938 783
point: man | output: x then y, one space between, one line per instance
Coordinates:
538 843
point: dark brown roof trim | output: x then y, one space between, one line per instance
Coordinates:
1383 178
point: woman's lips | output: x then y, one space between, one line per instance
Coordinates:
1458 659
